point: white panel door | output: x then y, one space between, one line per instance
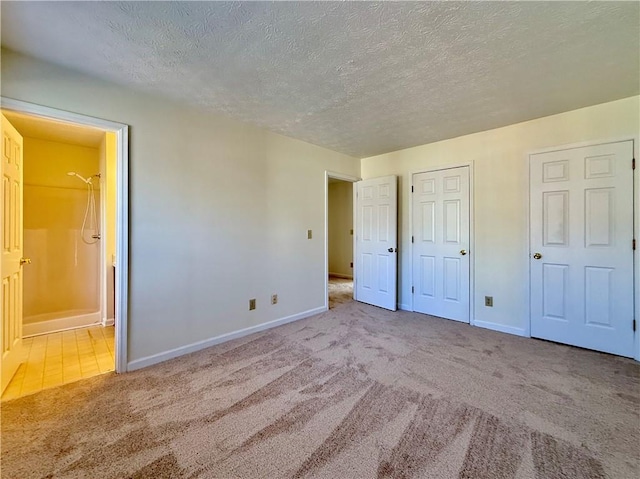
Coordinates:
376 242
11 330
441 243
581 247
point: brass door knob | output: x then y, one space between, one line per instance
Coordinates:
463 252
537 256
25 261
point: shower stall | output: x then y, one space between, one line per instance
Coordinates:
62 236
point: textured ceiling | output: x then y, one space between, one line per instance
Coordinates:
361 78
51 130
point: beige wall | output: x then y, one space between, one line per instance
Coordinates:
219 210
500 184
64 272
340 226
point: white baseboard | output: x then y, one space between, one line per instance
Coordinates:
404 307
501 328
60 324
193 347
108 321
340 275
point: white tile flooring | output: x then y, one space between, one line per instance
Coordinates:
60 358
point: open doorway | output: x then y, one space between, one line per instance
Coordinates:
340 239
68 238
70 323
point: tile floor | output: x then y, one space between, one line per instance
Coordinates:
60 358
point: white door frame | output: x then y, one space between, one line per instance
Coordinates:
351 179
636 225
122 209
472 246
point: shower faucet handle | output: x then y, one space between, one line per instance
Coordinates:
25 261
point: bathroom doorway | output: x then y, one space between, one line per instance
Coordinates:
70 232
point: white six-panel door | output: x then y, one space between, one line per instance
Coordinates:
11 330
376 242
581 247
441 243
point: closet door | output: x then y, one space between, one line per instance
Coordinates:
441 243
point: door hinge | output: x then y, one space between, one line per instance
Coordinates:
412 239
633 244
412 290
411 188
634 324
633 164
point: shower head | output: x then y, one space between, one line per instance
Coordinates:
73 173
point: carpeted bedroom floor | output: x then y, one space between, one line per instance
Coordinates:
356 392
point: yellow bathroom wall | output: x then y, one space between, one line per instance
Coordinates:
108 182
64 272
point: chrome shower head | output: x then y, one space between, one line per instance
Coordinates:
73 173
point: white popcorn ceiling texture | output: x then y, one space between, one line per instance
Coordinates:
356 77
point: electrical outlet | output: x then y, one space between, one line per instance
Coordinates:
274 299
488 301
309 234
252 304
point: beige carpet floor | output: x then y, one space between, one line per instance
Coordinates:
340 291
357 392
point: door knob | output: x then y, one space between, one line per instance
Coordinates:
390 250
463 252
25 261
537 256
